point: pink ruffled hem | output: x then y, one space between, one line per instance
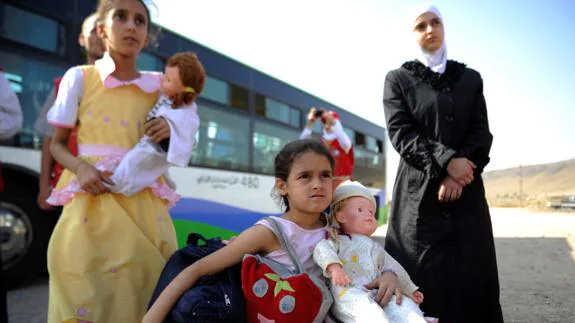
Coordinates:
108 164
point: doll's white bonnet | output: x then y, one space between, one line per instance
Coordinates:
349 189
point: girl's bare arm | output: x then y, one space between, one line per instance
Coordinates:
257 239
60 151
89 178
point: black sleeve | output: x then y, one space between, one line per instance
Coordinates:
165 144
477 142
425 154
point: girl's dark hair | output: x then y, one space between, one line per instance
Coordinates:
292 150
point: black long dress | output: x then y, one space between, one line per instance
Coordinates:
447 248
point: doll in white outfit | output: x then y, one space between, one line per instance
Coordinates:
351 260
182 81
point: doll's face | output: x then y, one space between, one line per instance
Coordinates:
171 82
357 216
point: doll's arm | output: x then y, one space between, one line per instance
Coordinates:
417 297
338 275
326 257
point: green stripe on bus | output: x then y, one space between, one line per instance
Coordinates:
184 227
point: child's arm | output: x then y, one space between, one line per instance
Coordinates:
90 179
63 115
325 256
257 239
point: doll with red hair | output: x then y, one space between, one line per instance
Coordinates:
141 167
336 140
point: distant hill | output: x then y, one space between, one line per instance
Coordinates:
539 181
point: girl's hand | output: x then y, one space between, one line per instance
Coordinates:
170 295
449 190
417 297
43 196
387 285
91 180
158 129
461 169
338 275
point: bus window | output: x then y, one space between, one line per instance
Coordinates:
268 140
34 80
222 140
15 23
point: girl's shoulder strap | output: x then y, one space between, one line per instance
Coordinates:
285 243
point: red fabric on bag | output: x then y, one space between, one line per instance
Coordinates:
308 298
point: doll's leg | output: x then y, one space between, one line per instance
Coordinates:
407 312
356 305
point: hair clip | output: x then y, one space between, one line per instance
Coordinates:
189 89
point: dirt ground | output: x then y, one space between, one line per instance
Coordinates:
535 253
536 259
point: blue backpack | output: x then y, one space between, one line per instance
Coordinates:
214 298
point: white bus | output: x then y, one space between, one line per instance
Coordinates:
246 117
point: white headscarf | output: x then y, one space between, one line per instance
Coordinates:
437 61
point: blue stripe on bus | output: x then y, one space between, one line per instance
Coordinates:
216 214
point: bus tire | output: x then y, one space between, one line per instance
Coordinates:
25 243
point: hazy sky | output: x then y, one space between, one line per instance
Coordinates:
340 50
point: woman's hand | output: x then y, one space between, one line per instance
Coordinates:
91 180
158 129
461 169
387 285
449 190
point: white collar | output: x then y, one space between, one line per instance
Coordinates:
148 82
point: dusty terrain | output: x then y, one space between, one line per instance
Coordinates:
536 259
535 252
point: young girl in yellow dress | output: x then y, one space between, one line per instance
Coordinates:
107 250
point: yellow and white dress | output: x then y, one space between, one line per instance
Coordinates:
107 251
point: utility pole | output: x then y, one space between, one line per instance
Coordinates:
521 185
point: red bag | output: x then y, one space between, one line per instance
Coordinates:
273 293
